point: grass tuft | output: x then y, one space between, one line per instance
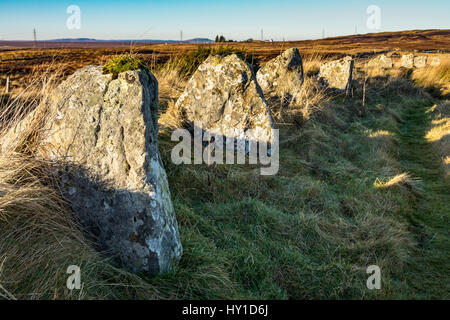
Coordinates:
124 63
187 64
434 79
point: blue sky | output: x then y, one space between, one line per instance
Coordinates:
235 19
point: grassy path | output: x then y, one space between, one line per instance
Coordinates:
428 272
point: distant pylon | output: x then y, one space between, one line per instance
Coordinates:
34 37
181 35
262 34
323 33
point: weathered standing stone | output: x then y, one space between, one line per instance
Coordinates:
223 97
107 131
282 77
420 62
382 62
337 74
408 60
435 62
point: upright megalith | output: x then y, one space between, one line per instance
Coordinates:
420 62
381 62
105 132
282 77
407 60
224 98
435 61
337 74
410 61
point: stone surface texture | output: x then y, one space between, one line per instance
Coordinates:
337 74
435 62
224 98
407 61
381 62
283 76
420 62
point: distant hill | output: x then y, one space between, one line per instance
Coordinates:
195 40
420 40
410 40
72 40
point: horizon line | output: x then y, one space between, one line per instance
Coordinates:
87 39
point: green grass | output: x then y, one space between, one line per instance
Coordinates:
305 234
428 272
124 63
301 234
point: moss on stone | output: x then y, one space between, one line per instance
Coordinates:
124 63
217 60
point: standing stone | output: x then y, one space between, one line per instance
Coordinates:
408 60
106 132
224 98
282 77
435 62
420 62
337 74
381 62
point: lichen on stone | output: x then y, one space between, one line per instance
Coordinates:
225 98
282 77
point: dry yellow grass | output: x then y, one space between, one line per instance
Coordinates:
434 78
172 118
36 225
311 99
403 181
171 85
312 63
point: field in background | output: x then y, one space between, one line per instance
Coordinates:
362 181
20 61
